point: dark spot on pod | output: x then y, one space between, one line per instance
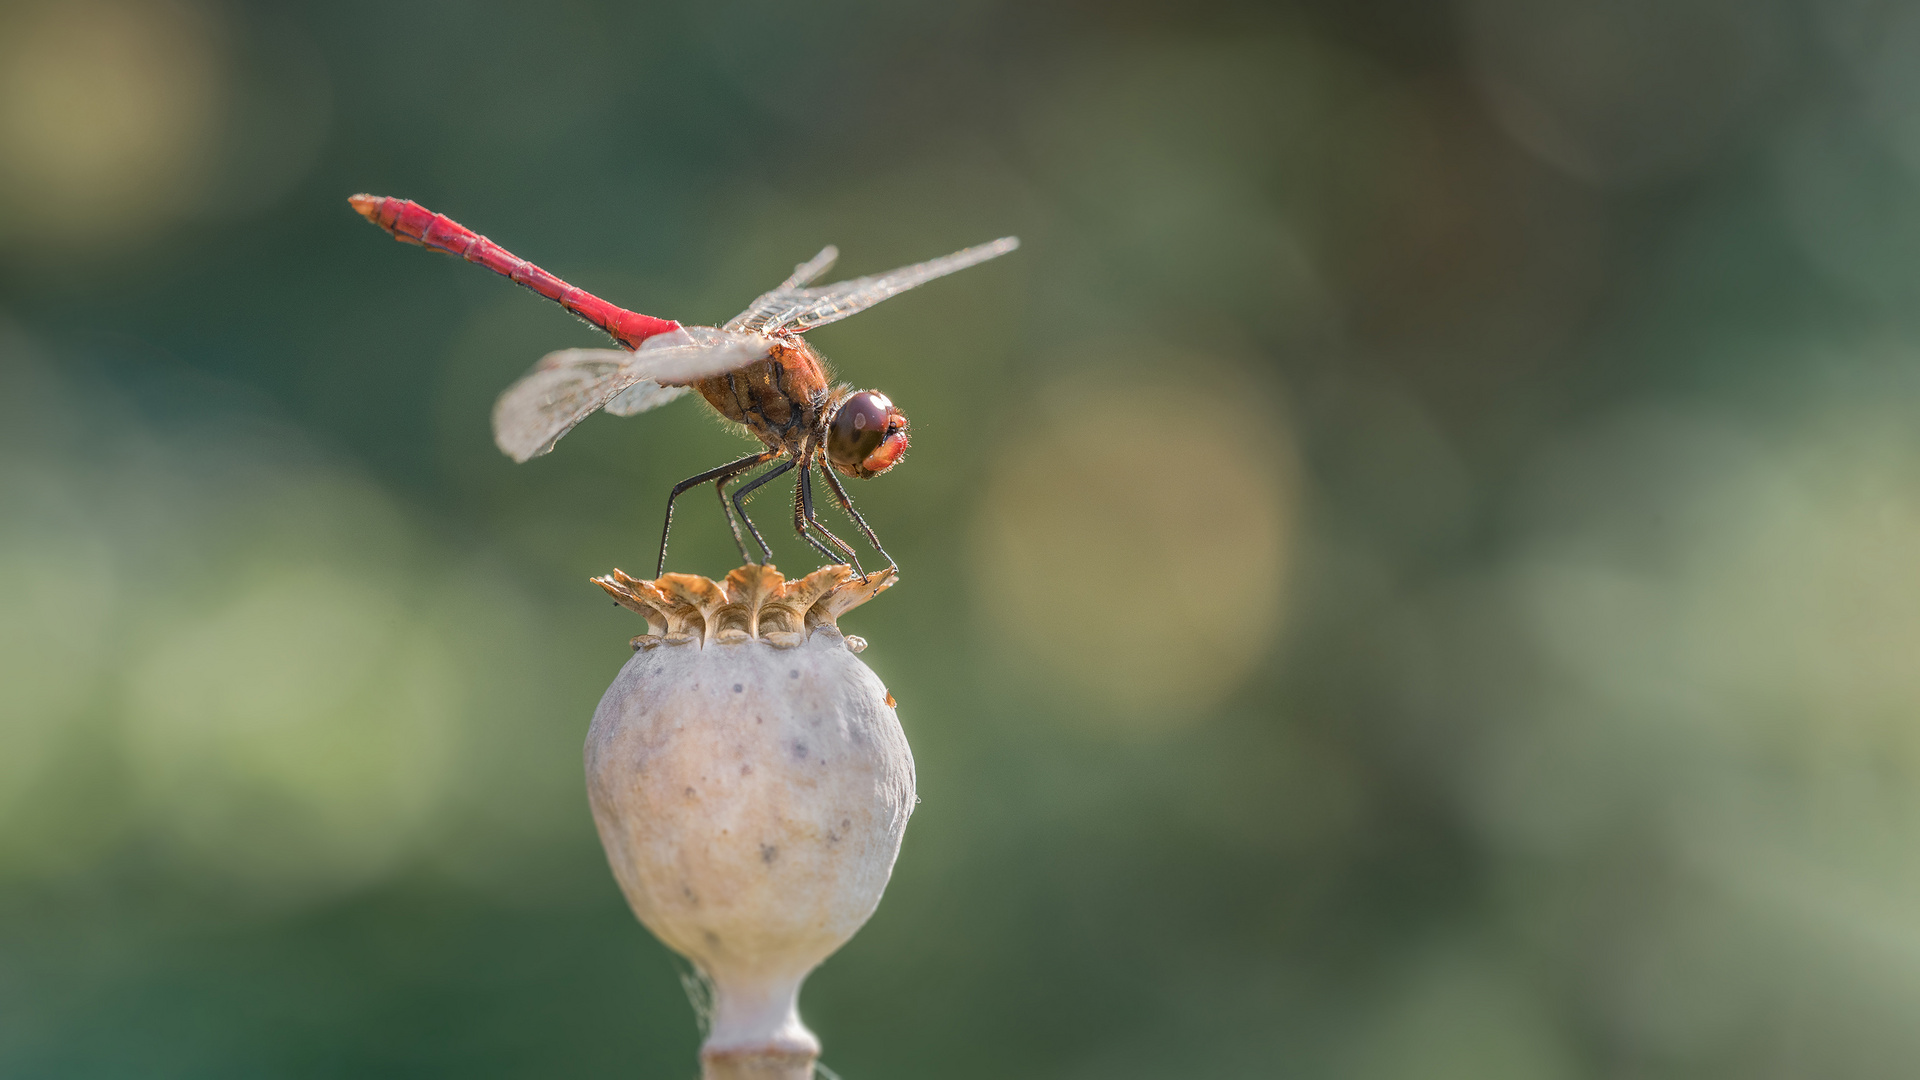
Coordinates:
845 822
833 837
768 853
737 687
794 674
746 770
800 750
689 793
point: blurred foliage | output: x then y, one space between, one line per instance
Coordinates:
1412 571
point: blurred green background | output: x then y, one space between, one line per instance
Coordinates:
1413 570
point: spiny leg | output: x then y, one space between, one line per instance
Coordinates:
803 516
846 504
739 503
733 523
720 489
720 473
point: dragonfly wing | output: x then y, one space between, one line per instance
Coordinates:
564 388
568 386
692 353
641 396
794 307
767 312
812 268
770 312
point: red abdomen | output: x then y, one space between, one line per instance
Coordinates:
412 223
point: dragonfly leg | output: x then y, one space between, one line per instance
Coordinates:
740 504
719 474
803 517
840 494
733 524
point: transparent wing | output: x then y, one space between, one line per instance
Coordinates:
761 316
641 396
568 386
795 307
812 268
692 353
563 389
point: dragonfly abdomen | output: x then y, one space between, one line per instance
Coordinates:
412 223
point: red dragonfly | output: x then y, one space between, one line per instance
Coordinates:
756 371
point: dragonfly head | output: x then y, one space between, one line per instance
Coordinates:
866 435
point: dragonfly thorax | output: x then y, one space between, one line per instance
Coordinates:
781 400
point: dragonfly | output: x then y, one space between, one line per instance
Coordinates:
756 370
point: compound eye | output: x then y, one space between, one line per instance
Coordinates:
859 426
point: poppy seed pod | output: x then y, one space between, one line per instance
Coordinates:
751 784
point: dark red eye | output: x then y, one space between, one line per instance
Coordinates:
863 422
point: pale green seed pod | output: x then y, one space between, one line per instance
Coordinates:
751 785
